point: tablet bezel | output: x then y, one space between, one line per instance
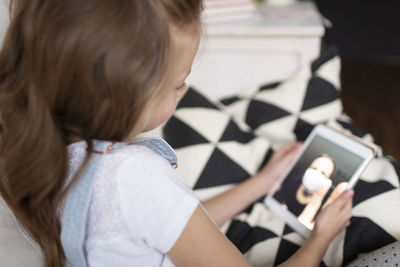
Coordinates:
348 142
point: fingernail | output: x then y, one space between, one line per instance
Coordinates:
350 192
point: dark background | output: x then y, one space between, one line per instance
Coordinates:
367 36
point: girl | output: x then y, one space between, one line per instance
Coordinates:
79 78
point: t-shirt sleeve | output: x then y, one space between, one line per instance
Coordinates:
156 204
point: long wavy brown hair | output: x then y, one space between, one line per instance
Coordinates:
75 70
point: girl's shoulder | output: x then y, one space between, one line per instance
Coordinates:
142 157
139 193
135 155
134 165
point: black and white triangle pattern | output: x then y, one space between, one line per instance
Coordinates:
221 152
219 147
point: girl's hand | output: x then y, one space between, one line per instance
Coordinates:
334 217
226 205
278 163
329 222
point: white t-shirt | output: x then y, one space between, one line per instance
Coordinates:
138 209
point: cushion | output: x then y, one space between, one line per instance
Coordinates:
4 18
15 248
214 149
219 146
388 255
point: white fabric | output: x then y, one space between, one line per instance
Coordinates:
4 18
138 209
16 247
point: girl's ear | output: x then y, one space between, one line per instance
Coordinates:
181 90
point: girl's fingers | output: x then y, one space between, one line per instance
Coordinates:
295 147
346 209
336 216
341 202
289 148
339 189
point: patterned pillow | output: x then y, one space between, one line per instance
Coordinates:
290 108
214 150
219 147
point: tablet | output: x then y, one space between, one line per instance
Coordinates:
329 163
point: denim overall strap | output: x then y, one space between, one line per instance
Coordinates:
76 207
161 147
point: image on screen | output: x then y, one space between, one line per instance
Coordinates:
319 176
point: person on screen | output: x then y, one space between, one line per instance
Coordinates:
316 183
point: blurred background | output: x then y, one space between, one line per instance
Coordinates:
366 34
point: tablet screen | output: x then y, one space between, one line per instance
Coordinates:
319 175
